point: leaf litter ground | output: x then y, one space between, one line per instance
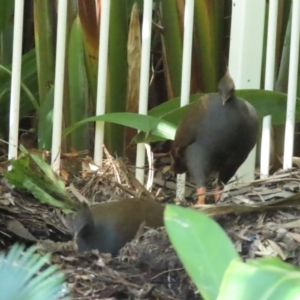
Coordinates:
261 218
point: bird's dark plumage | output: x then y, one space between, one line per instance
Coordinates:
216 134
109 226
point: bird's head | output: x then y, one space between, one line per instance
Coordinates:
226 88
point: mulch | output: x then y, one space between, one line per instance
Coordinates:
261 218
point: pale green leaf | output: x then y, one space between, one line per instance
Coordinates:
269 279
202 246
144 123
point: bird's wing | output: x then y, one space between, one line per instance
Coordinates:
187 129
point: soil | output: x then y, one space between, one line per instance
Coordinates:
261 218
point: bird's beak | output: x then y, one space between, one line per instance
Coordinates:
224 99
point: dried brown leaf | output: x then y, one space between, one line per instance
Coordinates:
277 249
294 224
133 78
17 228
295 236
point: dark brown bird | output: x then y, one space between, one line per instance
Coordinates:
109 226
216 135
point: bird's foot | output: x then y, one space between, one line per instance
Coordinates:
218 193
201 195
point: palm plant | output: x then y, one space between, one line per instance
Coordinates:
210 52
23 276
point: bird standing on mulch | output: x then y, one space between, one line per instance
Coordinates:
216 135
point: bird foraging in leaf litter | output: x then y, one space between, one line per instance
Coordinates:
215 135
108 226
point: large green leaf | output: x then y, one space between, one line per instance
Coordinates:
169 114
202 246
78 86
6 30
265 103
285 38
172 43
220 30
6 14
148 124
44 33
90 30
46 121
206 42
29 95
117 74
169 106
269 278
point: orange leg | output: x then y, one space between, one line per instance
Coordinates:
201 195
218 195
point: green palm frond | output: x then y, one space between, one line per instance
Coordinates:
22 277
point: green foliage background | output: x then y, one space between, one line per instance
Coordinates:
209 59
